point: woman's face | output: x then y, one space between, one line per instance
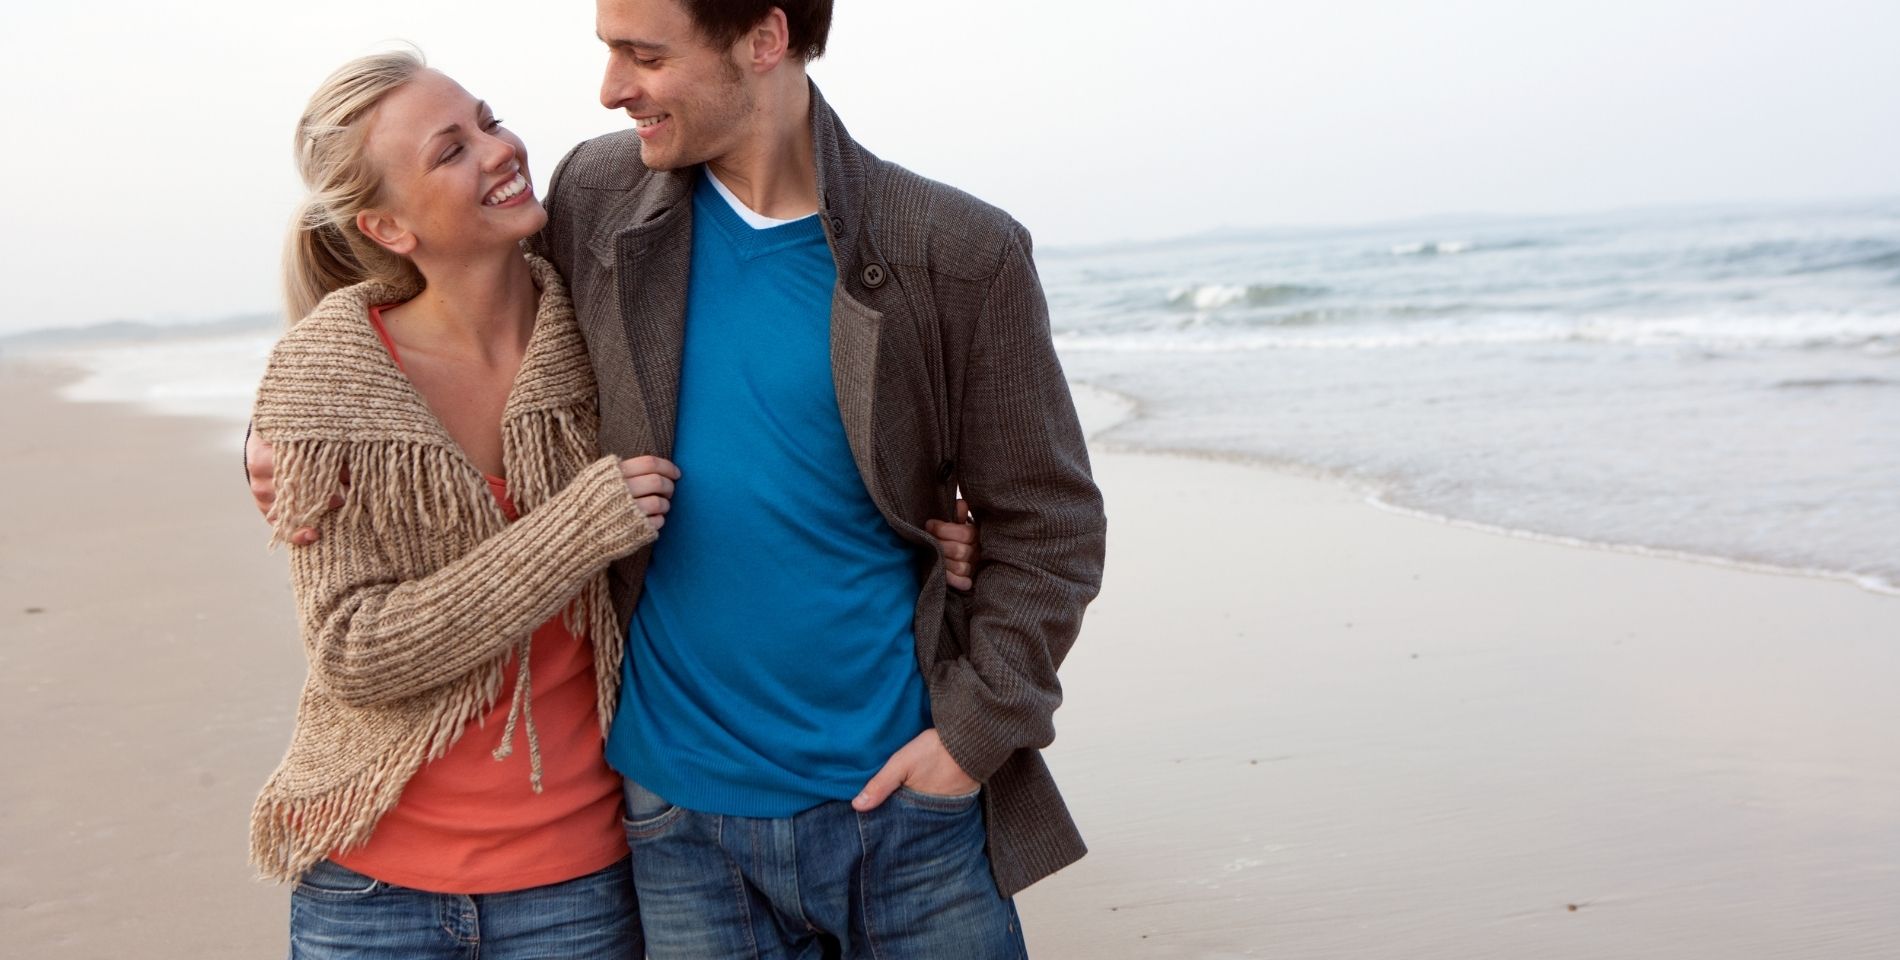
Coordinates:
454 180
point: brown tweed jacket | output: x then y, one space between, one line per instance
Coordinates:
945 376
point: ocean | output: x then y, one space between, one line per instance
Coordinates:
1719 383
1722 383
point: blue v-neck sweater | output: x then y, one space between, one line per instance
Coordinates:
770 663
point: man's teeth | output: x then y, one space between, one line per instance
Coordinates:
645 122
507 191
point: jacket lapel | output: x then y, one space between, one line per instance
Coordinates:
854 342
648 248
647 244
854 326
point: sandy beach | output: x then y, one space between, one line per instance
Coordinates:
1296 726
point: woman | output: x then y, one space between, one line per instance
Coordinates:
432 418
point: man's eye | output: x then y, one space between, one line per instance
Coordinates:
492 124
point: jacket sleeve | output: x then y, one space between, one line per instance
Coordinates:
1023 466
372 638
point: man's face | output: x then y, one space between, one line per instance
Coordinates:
690 101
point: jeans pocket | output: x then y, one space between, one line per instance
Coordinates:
646 813
956 803
329 880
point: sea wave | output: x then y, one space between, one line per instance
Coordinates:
1431 248
1215 296
1889 260
138 331
1872 333
1795 257
200 377
1822 383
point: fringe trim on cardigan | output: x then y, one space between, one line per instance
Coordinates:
390 483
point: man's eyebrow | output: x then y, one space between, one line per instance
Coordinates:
625 44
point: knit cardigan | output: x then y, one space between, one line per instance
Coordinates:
418 588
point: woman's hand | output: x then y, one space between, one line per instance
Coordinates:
650 480
958 543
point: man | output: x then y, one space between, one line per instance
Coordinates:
828 345
826 751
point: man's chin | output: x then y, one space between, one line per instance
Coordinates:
657 158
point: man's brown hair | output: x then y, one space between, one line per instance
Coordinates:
807 22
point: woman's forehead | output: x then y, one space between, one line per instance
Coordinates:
419 111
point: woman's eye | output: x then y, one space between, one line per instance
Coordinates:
450 154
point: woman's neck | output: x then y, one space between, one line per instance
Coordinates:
475 310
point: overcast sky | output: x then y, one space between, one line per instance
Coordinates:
149 168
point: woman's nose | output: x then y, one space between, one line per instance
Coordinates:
498 154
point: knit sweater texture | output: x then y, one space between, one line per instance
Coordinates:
418 588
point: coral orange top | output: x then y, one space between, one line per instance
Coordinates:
468 823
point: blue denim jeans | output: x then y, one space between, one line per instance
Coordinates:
906 881
336 912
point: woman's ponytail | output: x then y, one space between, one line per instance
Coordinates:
325 251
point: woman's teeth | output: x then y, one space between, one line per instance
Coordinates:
507 191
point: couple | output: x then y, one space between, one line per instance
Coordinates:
812 747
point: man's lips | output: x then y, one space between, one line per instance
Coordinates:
648 126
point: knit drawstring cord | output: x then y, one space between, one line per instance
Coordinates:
522 708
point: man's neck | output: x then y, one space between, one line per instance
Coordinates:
774 172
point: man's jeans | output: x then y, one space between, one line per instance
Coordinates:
336 912
907 881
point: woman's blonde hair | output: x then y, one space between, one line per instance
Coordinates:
325 250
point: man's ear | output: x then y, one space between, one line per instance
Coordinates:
766 44
386 232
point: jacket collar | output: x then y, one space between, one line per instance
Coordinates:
842 172
645 241
842 168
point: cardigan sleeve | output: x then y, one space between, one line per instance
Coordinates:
373 639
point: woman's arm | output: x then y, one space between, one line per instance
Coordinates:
373 639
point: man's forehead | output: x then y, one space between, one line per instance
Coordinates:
645 22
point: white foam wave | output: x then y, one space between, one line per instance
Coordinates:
195 378
1877 334
1431 248
1209 297
1215 296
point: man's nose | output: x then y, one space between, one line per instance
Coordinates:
618 86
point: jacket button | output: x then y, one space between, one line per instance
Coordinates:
873 275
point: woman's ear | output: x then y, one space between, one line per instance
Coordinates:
386 232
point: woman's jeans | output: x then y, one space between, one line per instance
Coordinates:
908 880
337 913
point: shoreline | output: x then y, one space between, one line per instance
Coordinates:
1103 410
1362 733
1377 495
